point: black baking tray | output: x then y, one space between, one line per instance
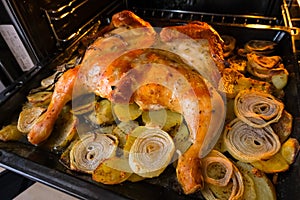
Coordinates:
43 166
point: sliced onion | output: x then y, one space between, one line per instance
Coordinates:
250 105
229 45
238 187
260 46
28 117
231 186
91 150
221 180
264 67
151 151
247 143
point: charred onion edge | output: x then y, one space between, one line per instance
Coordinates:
247 143
250 105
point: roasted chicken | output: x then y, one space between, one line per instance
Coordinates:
125 66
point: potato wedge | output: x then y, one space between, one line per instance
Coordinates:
181 138
283 128
264 188
10 133
65 156
112 171
162 118
276 163
127 112
290 149
280 80
102 113
280 161
249 192
232 82
122 130
64 131
135 178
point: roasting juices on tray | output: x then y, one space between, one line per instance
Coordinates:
142 98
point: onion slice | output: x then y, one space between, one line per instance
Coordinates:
229 45
265 67
250 105
88 152
151 151
231 186
249 144
214 163
28 117
260 46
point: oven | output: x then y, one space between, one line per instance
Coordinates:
38 36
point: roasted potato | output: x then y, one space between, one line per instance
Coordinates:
10 133
290 149
162 118
264 188
102 113
112 171
126 112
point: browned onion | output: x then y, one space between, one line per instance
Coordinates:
228 184
260 46
229 45
265 67
249 144
250 105
214 161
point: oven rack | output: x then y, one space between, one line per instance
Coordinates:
292 20
57 15
289 20
60 18
294 12
216 18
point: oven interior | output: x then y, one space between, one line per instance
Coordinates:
65 24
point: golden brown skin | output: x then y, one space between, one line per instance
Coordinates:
158 81
61 95
129 33
197 30
189 164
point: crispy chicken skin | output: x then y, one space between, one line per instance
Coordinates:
197 30
130 32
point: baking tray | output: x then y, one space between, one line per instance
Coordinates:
43 166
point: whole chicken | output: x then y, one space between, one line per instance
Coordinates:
132 63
